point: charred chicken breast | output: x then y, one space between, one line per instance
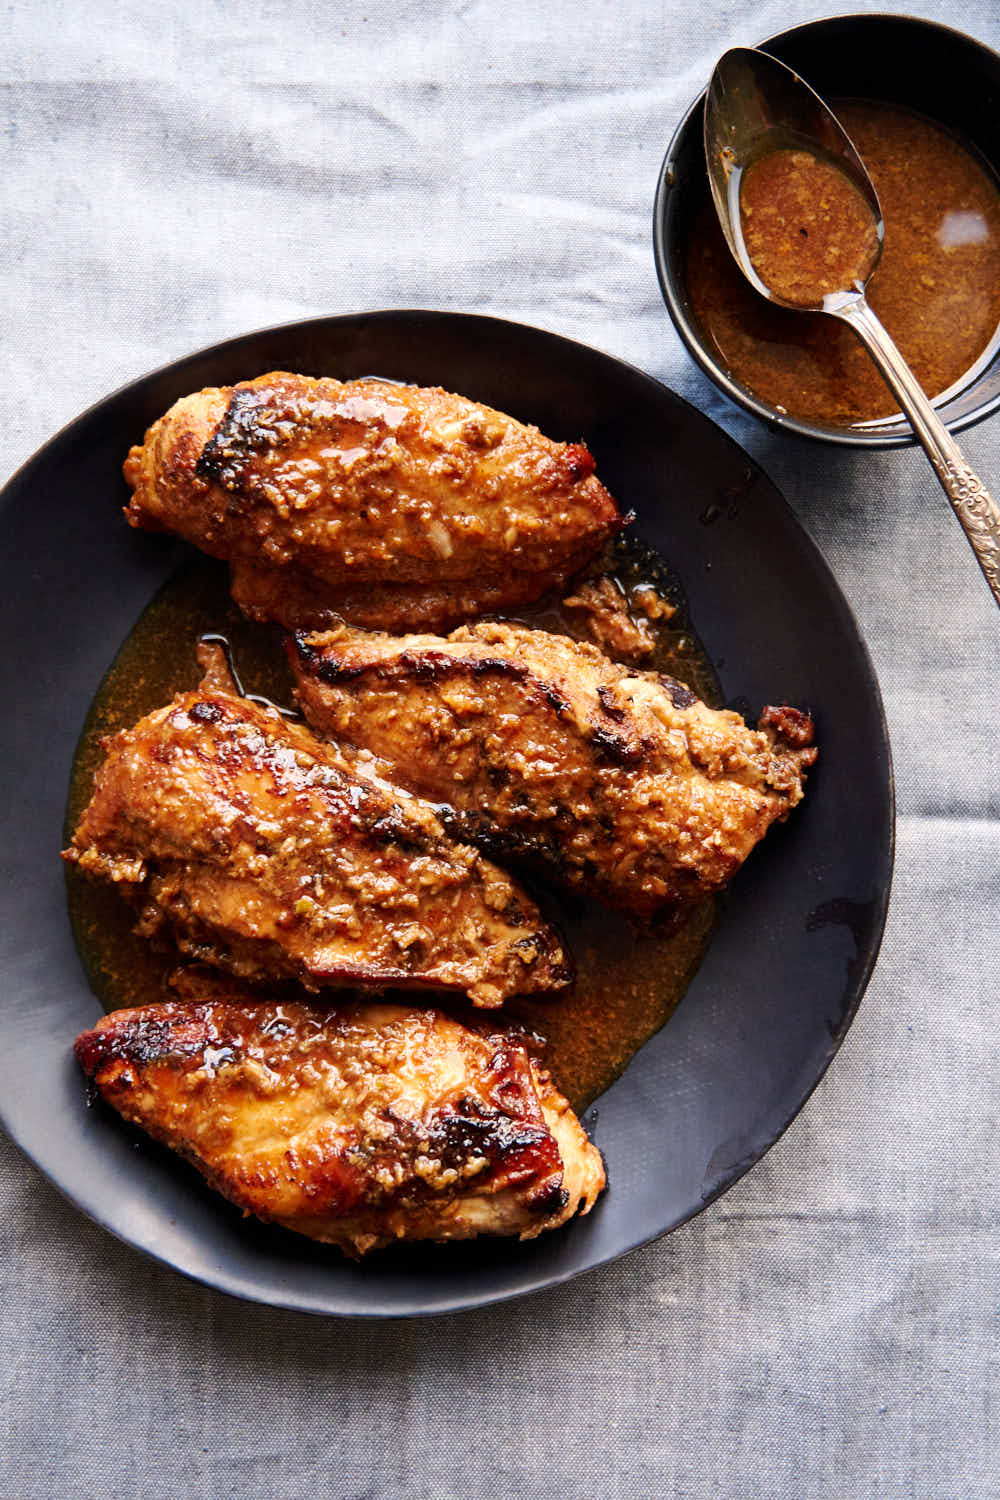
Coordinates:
359 1124
621 781
395 506
257 849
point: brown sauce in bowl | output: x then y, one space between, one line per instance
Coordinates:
936 287
628 982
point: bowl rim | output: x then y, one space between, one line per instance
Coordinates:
845 437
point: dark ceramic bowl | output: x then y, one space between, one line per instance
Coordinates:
921 65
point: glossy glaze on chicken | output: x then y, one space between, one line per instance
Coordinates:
258 849
298 865
395 506
356 1124
621 781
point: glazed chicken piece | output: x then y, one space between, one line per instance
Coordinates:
621 781
359 1124
391 505
259 850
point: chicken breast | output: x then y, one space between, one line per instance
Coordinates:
359 1124
391 505
621 781
256 848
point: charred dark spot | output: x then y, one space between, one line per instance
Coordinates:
607 701
431 665
613 747
248 428
328 669
531 947
393 828
548 947
680 696
554 700
205 712
468 825
484 664
424 667
142 1039
502 844
473 1129
550 1197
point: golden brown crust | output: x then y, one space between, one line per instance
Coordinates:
257 848
622 781
353 1124
397 506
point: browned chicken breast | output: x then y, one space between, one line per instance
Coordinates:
358 1125
257 849
391 505
622 781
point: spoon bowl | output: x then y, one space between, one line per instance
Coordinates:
755 105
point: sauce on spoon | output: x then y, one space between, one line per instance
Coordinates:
807 228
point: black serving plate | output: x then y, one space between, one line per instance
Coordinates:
796 943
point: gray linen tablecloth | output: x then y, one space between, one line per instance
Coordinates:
180 173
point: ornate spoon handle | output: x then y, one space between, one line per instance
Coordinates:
971 501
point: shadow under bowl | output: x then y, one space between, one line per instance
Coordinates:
921 65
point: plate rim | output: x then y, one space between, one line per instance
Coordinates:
223 1281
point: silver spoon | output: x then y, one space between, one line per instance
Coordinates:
756 104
